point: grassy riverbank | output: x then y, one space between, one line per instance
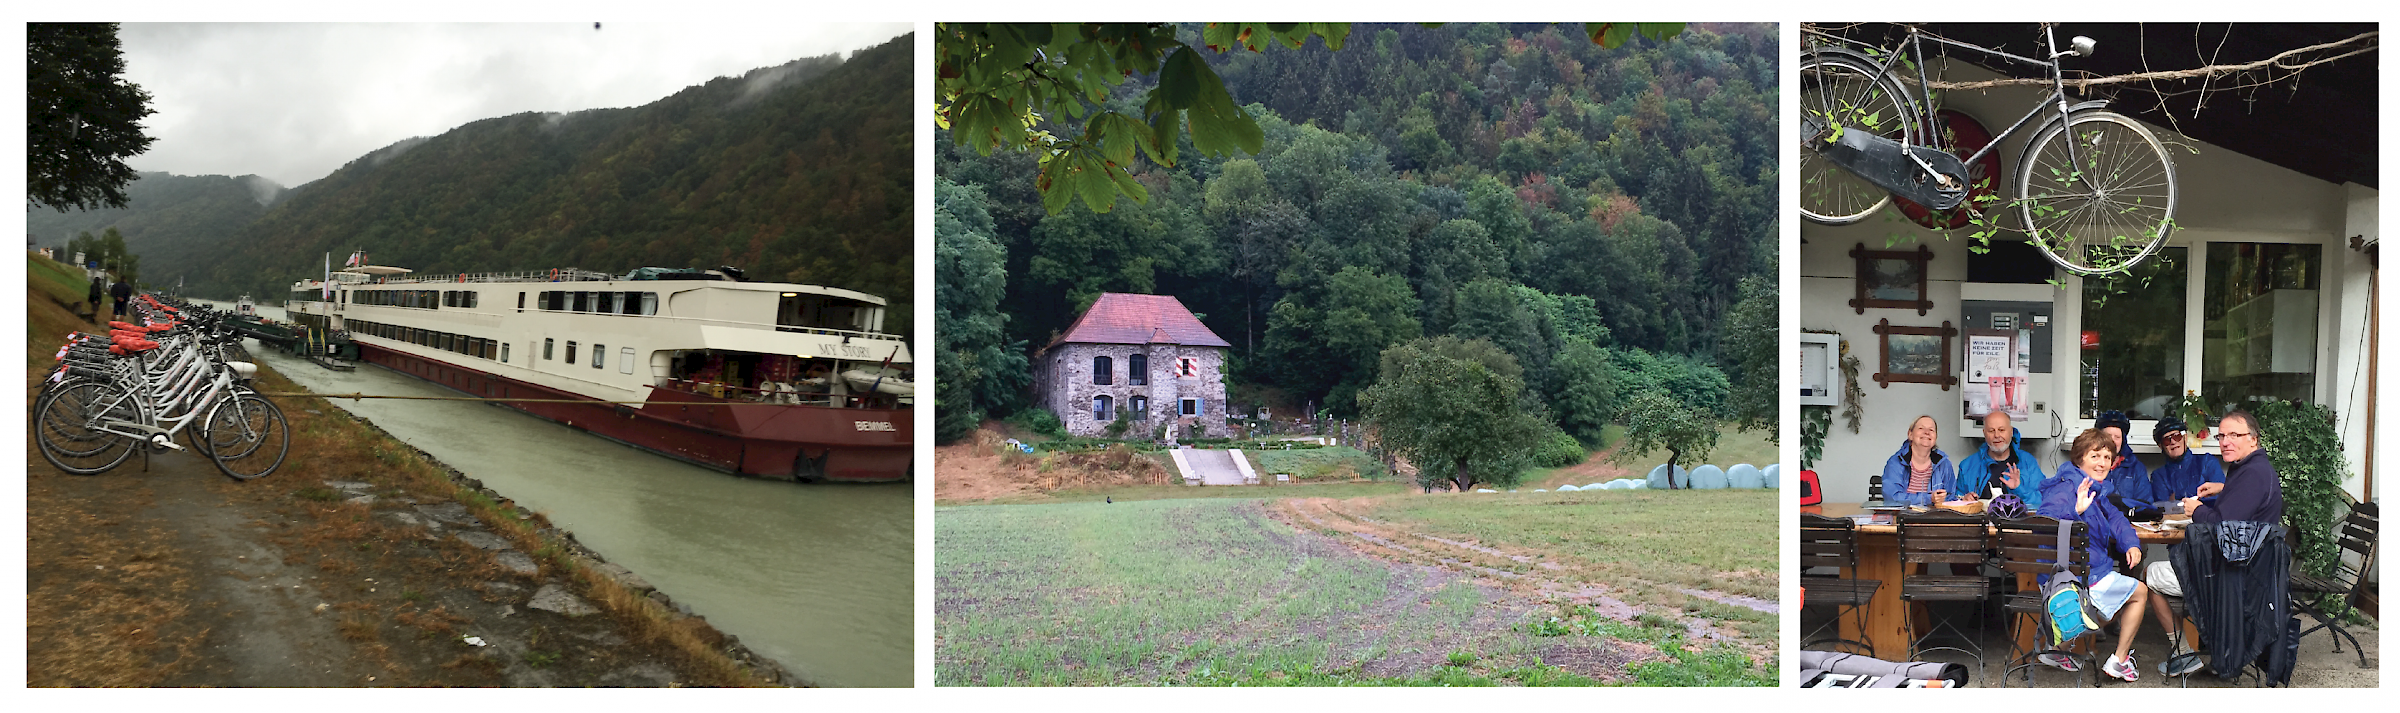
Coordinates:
328 572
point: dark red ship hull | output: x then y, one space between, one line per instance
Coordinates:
783 442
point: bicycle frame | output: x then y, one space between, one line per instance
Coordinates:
1915 49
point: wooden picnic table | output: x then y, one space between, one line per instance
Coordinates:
1890 625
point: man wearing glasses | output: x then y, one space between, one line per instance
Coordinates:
2251 490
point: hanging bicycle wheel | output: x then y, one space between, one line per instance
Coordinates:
1840 88
2096 192
248 436
66 426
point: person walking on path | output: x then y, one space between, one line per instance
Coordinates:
98 288
122 292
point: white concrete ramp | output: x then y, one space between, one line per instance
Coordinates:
1209 467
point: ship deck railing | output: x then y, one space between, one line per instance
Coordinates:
829 331
730 392
564 274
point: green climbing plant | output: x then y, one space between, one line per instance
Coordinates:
2301 440
1815 423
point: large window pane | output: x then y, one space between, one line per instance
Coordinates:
2259 338
2133 337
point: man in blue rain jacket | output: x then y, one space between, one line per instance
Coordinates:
2183 472
2130 479
2003 459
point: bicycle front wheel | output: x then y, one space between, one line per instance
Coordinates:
247 436
1841 88
2096 192
66 426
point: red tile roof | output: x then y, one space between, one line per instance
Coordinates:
1119 318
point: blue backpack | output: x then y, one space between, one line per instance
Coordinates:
2070 607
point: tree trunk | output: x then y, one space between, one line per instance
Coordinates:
1249 342
1461 478
1672 456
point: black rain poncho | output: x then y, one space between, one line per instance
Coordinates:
2236 585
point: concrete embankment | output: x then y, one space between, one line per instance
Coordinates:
361 562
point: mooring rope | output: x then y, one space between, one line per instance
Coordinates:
355 397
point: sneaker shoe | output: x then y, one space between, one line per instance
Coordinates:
2122 669
2059 661
2184 662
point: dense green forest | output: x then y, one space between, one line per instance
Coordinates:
1596 213
169 220
801 172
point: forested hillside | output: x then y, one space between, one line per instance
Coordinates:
1592 211
799 172
169 220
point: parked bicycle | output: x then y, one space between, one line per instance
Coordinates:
143 385
2094 189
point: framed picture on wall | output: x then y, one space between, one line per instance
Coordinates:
1893 279
1915 355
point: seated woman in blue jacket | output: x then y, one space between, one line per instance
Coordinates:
2002 465
2128 480
1919 473
2083 497
2183 472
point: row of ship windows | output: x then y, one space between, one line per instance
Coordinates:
635 303
632 303
478 347
599 355
421 299
486 348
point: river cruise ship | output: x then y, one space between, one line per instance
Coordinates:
771 380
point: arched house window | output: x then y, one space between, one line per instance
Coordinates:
1102 373
1137 372
1139 405
1100 408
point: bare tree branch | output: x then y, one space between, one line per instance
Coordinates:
2360 44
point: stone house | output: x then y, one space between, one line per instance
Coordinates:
1142 357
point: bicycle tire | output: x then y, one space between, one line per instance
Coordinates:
1833 85
260 426
2110 220
205 446
63 427
66 433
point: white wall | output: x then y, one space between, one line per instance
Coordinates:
2222 196
2348 371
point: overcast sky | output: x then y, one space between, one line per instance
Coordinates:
293 102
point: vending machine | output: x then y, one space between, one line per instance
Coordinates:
2008 357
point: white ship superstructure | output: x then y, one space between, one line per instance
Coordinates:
743 376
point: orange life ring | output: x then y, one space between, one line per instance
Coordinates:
462 277
554 274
